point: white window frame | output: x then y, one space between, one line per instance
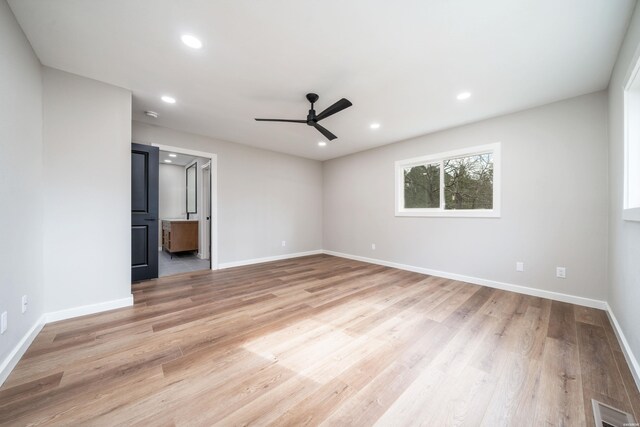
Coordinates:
400 166
631 108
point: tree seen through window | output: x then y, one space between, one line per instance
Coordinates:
422 186
468 182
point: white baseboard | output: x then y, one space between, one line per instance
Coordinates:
267 259
20 349
557 296
88 309
13 358
626 349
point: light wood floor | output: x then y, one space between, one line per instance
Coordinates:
322 340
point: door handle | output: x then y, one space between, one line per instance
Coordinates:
149 219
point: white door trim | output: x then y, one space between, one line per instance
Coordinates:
206 210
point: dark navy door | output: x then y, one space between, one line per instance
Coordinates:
144 212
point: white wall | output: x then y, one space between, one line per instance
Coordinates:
87 180
624 236
263 197
554 212
172 197
20 182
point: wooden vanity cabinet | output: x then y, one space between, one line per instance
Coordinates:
179 236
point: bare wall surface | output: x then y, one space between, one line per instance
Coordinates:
263 197
20 181
87 180
554 211
624 236
172 194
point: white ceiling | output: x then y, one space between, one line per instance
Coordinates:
401 62
178 160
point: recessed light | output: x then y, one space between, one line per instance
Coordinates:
168 99
191 41
322 144
167 161
173 155
374 125
463 95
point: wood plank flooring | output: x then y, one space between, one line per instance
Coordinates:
321 340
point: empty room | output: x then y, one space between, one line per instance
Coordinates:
337 213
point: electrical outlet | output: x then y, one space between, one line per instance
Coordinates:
561 272
373 246
3 322
519 266
25 302
284 243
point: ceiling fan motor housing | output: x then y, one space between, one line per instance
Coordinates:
312 98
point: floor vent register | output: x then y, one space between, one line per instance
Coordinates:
608 416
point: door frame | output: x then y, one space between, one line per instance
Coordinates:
206 183
213 197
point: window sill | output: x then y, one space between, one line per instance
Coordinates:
632 214
451 214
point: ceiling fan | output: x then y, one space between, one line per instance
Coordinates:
313 119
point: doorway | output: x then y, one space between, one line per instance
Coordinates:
187 223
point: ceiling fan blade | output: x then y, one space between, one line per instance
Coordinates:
338 106
325 132
281 120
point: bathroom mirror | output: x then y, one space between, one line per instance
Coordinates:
192 182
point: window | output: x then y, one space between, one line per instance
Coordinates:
457 183
631 199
